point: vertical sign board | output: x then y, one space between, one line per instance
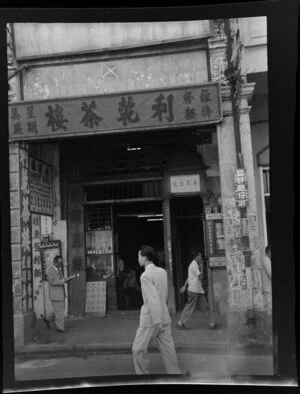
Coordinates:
38 294
40 186
215 241
95 299
46 225
25 233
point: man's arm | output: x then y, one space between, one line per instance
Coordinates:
267 265
151 295
183 288
53 281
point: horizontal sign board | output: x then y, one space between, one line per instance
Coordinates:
214 216
185 183
130 111
217 261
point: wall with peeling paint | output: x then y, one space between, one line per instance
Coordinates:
35 39
115 75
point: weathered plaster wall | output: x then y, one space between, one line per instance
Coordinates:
35 39
115 75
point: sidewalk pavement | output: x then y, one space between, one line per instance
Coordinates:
116 333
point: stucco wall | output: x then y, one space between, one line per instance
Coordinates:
33 39
115 75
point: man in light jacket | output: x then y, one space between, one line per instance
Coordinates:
154 318
267 278
57 294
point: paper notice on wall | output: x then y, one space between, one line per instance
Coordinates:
95 299
252 223
236 299
46 225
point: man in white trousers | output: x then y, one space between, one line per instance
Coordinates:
154 318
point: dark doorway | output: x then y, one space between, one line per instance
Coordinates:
136 225
187 236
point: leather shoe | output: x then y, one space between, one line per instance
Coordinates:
47 322
181 326
62 330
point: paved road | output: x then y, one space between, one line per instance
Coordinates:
206 367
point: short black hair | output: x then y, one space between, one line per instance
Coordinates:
56 258
195 253
268 249
149 252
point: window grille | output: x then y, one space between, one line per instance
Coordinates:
98 218
123 191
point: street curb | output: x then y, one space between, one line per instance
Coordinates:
127 347
90 347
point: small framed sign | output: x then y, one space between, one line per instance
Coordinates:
185 183
46 225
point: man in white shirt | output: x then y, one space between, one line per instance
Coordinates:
154 318
195 293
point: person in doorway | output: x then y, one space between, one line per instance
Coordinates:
120 265
267 277
131 287
196 293
154 318
91 273
57 293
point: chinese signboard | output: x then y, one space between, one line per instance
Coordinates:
46 225
40 185
170 107
95 299
185 183
241 188
26 234
215 239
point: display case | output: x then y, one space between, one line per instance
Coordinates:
99 243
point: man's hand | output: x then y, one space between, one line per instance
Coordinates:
158 328
182 289
69 278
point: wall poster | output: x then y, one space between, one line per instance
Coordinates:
40 187
215 238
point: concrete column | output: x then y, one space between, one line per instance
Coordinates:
21 244
168 253
243 285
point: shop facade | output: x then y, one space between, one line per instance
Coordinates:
118 139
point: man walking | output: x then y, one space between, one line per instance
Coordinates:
195 293
154 318
267 278
57 294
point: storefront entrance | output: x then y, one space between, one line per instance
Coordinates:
187 236
136 224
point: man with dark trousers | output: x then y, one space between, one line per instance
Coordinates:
57 293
